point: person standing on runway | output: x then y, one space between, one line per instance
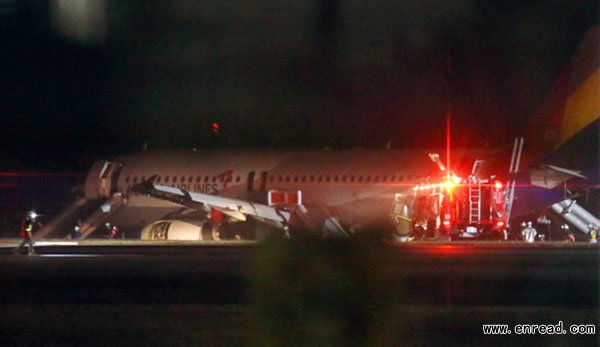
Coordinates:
529 233
26 233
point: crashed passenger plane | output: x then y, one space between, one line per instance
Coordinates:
183 192
353 188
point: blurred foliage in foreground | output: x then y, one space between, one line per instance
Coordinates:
316 293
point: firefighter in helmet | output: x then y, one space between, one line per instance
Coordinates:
114 232
568 235
26 232
529 233
76 232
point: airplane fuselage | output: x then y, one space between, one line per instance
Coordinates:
359 184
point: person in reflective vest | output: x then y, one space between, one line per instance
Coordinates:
529 233
593 233
26 234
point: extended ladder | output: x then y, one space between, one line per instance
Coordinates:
513 169
475 193
475 202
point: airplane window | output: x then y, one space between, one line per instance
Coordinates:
320 178
360 178
312 178
134 179
198 178
143 179
158 179
190 179
287 178
279 178
181 179
205 179
376 178
335 178
303 178
344 178
237 178
295 178
127 179
272 178
174 179
214 179
166 179
368 178
351 178
327 178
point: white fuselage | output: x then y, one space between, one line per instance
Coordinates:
359 185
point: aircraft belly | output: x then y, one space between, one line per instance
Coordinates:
363 206
366 211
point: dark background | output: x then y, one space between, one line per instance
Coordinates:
96 78
90 79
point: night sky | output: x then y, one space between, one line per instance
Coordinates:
104 77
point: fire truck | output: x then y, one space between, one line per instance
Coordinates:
453 208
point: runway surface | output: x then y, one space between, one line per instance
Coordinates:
188 293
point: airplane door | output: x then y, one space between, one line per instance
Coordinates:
114 180
263 181
109 177
250 183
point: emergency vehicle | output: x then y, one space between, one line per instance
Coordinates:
455 208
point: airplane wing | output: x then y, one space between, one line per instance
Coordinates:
233 208
550 176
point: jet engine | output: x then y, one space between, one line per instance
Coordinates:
181 230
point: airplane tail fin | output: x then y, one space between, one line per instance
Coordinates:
572 105
563 138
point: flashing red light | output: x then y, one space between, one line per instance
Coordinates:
216 127
449 184
498 185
